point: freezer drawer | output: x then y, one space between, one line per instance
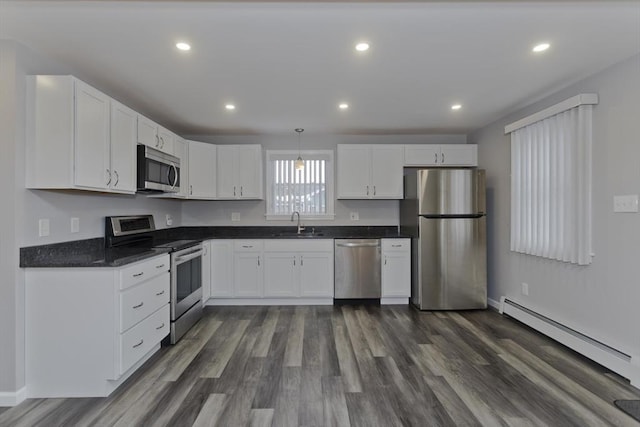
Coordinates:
357 269
451 263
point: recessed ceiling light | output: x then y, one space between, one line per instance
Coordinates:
541 47
456 106
361 47
343 106
183 46
230 107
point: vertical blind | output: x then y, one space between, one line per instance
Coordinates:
303 190
551 187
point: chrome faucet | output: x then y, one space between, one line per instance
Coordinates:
300 227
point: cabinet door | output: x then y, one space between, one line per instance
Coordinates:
396 274
459 155
316 274
247 274
221 268
354 172
421 155
249 172
91 137
281 274
166 140
123 148
202 170
206 271
386 171
148 132
226 169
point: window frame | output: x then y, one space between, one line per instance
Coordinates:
327 155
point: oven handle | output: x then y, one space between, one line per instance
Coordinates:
189 256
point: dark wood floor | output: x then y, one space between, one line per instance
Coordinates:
359 366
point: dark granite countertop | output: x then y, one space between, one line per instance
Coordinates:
83 253
92 252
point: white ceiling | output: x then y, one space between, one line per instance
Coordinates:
288 64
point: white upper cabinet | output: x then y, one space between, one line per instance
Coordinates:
77 137
370 171
153 135
441 155
202 170
123 148
239 172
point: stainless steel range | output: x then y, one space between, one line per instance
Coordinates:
186 266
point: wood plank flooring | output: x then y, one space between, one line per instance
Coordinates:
351 366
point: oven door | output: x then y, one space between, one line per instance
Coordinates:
186 280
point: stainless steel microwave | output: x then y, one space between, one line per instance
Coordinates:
157 171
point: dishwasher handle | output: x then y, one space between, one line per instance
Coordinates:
359 245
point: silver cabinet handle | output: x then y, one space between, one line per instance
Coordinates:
109 180
139 344
234 191
191 190
117 178
139 274
367 190
160 327
258 261
247 246
160 293
436 157
294 261
385 260
160 266
396 246
442 155
161 142
374 190
157 142
139 305
301 261
241 191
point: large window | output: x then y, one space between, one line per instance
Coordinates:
308 191
551 182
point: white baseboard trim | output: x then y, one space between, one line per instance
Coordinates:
13 398
268 301
493 304
618 361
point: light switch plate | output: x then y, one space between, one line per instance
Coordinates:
43 227
625 203
235 216
75 225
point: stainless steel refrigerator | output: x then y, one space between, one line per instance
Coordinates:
444 212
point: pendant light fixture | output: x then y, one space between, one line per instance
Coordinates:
299 165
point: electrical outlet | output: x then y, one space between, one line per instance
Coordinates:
169 220
525 289
235 216
75 225
43 227
354 216
626 203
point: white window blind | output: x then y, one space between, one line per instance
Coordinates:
551 187
308 191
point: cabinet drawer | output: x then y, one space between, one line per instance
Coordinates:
247 245
396 245
137 341
144 270
138 302
293 245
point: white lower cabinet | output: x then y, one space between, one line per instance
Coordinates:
271 271
247 268
88 329
396 271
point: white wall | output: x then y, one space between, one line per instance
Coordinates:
371 212
601 299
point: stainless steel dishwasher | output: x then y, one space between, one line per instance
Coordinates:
357 269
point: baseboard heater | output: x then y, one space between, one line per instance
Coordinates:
607 356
